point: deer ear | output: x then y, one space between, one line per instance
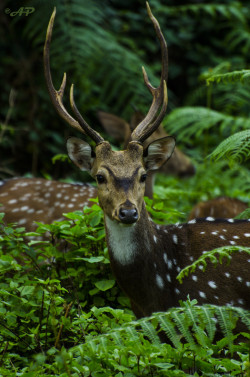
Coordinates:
158 152
116 127
80 153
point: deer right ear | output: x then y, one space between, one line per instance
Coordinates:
80 153
158 152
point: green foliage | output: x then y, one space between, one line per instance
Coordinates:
242 76
62 314
235 148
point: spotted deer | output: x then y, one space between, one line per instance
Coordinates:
27 200
221 207
146 257
178 164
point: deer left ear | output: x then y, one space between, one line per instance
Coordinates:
80 153
158 152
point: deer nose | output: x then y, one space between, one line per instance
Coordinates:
128 215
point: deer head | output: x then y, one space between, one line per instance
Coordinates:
120 175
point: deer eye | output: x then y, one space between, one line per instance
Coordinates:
143 178
100 178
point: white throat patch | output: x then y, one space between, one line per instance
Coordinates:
122 241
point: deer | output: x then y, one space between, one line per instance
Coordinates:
221 207
178 164
27 200
146 257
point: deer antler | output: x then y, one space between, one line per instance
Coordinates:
149 124
88 130
56 95
146 127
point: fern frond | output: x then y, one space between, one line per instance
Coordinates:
200 335
231 77
191 122
183 326
244 316
209 321
226 322
222 252
244 215
226 10
150 331
169 328
234 148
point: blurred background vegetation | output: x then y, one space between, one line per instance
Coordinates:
102 44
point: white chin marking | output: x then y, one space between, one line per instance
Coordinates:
121 241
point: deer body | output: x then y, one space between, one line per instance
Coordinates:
221 207
146 257
26 200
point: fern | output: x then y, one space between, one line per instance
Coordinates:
234 148
227 323
223 252
244 215
226 10
92 55
235 76
190 322
209 321
150 331
191 122
169 329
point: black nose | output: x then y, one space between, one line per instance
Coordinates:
128 215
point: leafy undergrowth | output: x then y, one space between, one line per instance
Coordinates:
62 314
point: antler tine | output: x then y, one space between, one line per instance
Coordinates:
56 96
88 130
145 127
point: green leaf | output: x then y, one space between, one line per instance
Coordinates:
104 285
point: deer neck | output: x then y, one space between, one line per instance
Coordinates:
127 243
150 184
134 256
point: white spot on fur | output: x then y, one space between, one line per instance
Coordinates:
247 234
210 218
170 264
12 201
175 239
159 281
165 257
24 208
168 278
194 278
192 221
202 294
212 284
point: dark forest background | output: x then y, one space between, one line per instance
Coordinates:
102 46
